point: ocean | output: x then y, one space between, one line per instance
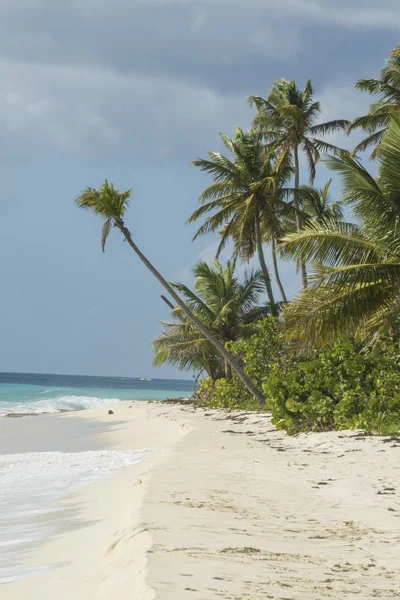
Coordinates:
45 457
30 393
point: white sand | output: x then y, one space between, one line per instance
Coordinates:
226 507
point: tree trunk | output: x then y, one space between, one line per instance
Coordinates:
263 265
297 206
228 370
167 302
236 366
276 271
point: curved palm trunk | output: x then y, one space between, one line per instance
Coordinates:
297 205
276 271
264 267
231 360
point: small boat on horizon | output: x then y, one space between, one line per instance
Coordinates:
146 379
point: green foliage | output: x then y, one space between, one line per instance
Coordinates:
337 388
258 354
245 203
226 304
262 350
106 202
355 269
316 204
288 120
226 394
386 90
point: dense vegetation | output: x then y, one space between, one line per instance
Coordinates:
329 358
340 386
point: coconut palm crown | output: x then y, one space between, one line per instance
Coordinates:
226 304
289 121
245 197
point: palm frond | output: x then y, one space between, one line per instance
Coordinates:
372 140
328 148
329 127
332 243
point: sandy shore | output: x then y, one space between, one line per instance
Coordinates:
226 507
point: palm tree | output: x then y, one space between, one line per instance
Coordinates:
288 119
111 205
182 346
316 204
387 91
356 267
277 219
243 197
225 304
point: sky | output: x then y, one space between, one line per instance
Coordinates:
133 91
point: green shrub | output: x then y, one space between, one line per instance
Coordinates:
258 353
337 388
226 394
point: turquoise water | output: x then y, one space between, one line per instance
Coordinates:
41 393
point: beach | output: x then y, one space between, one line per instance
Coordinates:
222 505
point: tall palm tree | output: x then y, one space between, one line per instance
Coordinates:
111 205
221 301
387 91
273 226
355 284
288 119
240 199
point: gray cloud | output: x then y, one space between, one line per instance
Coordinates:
81 109
164 76
204 41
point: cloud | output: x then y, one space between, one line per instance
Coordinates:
351 13
81 109
181 38
160 78
103 111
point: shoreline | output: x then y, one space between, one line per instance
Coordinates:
224 506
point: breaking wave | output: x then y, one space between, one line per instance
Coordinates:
56 405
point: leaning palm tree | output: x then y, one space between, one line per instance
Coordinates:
227 305
387 91
111 205
244 197
355 285
288 118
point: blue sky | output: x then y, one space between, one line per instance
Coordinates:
133 91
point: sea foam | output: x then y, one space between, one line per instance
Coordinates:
30 487
56 404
